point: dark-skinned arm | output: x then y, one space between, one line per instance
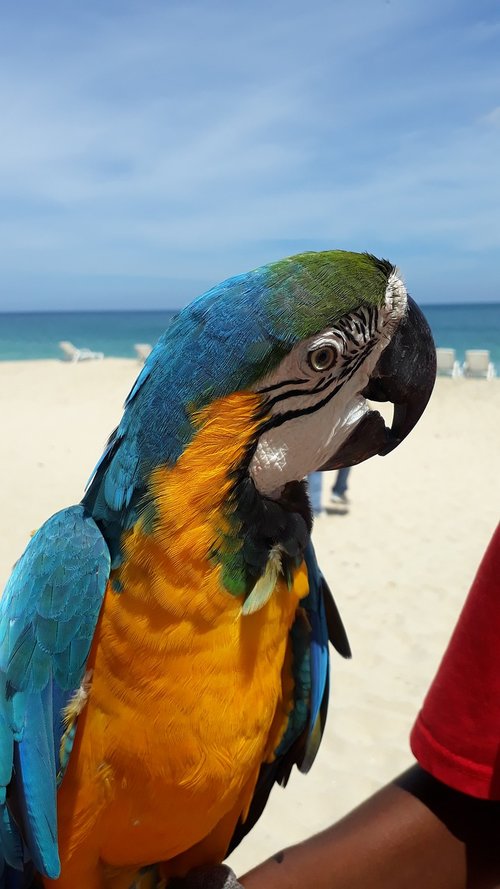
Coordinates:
416 832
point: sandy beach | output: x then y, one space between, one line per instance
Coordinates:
399 562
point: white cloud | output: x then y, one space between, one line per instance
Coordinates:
493 116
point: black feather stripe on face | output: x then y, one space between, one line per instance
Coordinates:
356 334
320 386
279 419
280 385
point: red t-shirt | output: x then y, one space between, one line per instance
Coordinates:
457 733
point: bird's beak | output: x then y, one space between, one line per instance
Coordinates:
405 375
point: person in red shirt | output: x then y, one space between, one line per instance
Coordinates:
457 733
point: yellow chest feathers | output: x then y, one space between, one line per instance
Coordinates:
176 649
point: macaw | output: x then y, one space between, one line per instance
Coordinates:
164 644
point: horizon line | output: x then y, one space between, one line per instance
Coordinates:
179 309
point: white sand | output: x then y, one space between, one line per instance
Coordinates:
400 562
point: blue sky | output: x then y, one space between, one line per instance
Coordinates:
150 149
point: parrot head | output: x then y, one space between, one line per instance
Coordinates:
356 336
286 358
317 336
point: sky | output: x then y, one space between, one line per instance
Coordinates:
151 149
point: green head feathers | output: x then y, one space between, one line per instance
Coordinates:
310 291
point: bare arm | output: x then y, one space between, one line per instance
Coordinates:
414 833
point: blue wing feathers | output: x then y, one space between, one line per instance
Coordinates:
48 615
9 837
35 782
6 751
298 717
54 637
319 661
318 689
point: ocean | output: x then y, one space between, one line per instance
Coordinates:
36 335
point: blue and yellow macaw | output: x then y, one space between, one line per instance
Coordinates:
164 644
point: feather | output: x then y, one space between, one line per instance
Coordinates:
48 615
10 841
336 630
35 784
6 751
264 587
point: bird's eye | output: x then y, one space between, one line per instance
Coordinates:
322 358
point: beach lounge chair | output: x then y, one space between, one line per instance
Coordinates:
142 350
477 364
447 364
71 353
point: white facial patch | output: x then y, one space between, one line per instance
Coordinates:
312 412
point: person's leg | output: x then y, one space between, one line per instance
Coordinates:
340 487
315 480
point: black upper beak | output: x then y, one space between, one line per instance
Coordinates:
404 375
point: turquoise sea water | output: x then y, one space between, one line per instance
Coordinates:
461 327
36 335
